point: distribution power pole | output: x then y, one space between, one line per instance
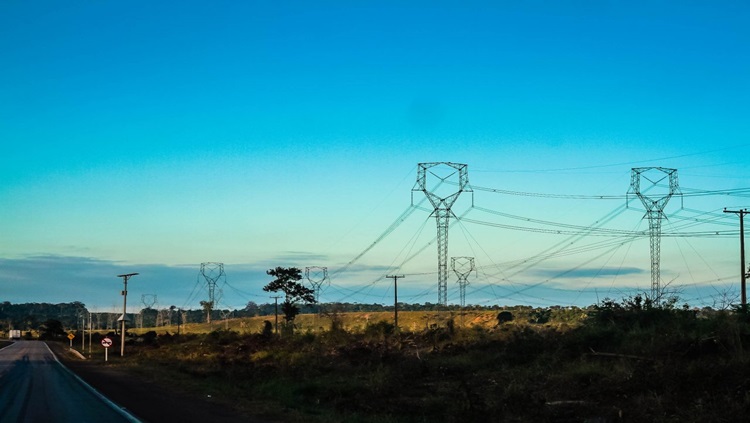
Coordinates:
443 194
743 272
654 202
125 278
395 298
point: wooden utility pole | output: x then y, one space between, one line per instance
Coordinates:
124 308
395 298
743 273
276 312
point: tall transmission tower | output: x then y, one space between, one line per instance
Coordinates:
317 276
212 272
148 301
654 198
462 266
450 180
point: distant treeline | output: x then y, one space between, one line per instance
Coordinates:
31 316
75 315
253 309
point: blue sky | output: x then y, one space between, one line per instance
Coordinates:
152 136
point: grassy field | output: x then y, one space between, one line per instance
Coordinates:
409 321
618 363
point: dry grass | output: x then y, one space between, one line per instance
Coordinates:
640 366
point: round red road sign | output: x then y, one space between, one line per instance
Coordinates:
106 342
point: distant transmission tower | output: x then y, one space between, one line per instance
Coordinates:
450 180
462 266
148 301
657 198
212 272
317 276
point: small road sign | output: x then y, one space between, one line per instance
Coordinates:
71 336
106 342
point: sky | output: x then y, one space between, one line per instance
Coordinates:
153 136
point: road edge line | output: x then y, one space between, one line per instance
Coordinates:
93 390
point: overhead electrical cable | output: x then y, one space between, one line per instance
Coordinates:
465 231
399 220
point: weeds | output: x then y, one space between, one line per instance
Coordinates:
624 361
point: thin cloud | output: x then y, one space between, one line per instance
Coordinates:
298 259
593 272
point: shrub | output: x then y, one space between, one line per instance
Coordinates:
379 330
222 337
504 316
540 316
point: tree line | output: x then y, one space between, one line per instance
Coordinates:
296 299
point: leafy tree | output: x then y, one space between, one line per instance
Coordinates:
252 309
287 281
51 329
207 307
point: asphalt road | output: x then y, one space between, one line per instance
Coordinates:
36 387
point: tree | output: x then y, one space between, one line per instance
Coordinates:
207 307
51 329
252 309
287 281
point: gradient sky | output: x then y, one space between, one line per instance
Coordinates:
152 136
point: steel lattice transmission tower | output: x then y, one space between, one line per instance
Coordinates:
212 273
148 301
654 198
462 266
451 179
317 276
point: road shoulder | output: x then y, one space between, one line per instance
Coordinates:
147 400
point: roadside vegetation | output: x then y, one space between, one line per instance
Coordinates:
617 361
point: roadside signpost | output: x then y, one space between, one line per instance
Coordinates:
70 337
106 343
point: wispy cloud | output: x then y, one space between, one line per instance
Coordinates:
297 259
594 272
